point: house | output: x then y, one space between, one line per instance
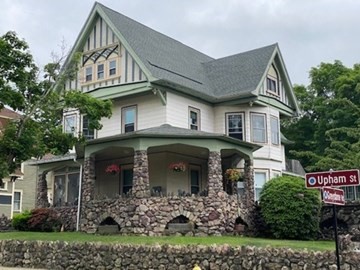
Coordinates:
16 196
180 120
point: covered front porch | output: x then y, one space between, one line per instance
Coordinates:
152 189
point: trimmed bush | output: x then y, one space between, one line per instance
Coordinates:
289 209
44 220
20 221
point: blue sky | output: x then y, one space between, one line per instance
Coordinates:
308 31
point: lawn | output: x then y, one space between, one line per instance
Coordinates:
171 240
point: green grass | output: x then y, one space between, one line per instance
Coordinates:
171 240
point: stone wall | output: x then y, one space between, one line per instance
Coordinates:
67 217
149 216
5 223
62 255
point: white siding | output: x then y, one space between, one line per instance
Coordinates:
150 113
177 112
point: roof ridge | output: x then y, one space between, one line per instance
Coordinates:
151 29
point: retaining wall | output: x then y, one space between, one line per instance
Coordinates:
62 255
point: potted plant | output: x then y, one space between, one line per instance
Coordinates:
178 167
234 175
112 169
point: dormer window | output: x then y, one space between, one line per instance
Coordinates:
112 67
271 85
88 74
100 71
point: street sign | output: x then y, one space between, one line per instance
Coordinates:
333 195
332 178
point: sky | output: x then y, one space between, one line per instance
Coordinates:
308 31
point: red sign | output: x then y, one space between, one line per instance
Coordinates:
335 178
333 195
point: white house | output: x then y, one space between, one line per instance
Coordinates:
172 106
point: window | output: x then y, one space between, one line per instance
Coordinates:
112 67
87 132
5 199
128 119
17 201
194 119
195 181
88 74
70 124
352 193
271 85
3 185
66 186
235 125
100 71
127 177
275 132
259 179
258 126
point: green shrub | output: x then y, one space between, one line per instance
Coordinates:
44 220
20 221
289 209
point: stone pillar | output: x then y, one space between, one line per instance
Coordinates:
215 183
141 184
88 181
42 196
249 195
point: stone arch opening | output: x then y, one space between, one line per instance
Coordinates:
240 225
180 224
108 226
327 227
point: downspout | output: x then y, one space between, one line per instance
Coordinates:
79 198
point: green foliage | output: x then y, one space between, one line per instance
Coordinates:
289 209
20 221
44 220
327 134
40 103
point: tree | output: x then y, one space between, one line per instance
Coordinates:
289 209
40 103
327 134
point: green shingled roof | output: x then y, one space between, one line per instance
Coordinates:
172 62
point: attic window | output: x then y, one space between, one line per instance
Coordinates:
88 74
271 85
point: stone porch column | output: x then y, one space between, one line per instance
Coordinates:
215 177
42 200
249 195
88 181
141 183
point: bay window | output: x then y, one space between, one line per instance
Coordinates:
258 127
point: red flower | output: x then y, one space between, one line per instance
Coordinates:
113 168
177 167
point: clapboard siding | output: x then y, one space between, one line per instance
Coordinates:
150 113
177 113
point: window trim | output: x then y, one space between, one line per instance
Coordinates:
252 127
242 113
273 117
263 171
8 195
110 69
198 117
75 123
100 72
5 186
13 200
123 109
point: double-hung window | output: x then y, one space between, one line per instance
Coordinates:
275 132
87 132
100 71
17 201
112 67
235 125
271 85
194 118
258 127
128 119
70 124
88 74
259 182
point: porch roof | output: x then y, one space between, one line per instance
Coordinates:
167 134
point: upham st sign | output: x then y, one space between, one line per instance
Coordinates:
332 178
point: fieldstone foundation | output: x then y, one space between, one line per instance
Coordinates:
42 197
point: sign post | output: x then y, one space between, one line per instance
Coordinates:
327 180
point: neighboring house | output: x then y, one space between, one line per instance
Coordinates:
17 192
171 104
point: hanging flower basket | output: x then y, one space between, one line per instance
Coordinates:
234 175
112 169
178 167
